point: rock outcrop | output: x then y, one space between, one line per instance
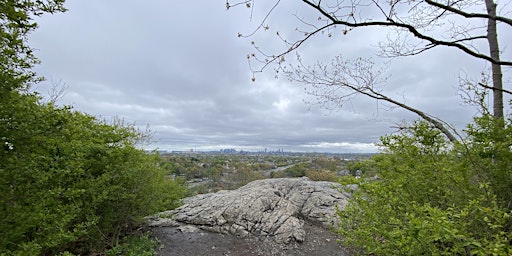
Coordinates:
274 208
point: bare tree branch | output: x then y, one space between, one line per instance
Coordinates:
292 47
356 77
471 94
246 3
492 88
262 23
391 23
469 39
469 15
57 91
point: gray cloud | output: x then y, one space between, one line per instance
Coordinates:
179 67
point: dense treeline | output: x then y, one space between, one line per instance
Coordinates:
69 183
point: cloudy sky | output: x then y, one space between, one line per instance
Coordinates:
179 67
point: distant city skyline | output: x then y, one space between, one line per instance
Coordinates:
334 149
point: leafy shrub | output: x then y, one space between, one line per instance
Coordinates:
277 174
72 183
321 175
490 152
298 170
362 166
136 245
431 198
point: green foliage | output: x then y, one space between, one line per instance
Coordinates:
298 170
277 174
364 166
491 154
137 245
16 58
431 198
72 183
321 175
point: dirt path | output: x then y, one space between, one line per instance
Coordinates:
199 242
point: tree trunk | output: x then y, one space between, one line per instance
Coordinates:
492 39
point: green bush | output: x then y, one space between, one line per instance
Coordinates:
277 174
431 198
298 170
136 245
72 183
490 152
355 166
321 175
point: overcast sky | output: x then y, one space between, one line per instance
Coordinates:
179 67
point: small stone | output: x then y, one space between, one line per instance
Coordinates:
187 229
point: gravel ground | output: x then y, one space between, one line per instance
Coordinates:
193 242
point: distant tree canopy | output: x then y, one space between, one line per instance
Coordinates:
69 183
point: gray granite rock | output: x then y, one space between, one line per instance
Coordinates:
275 208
